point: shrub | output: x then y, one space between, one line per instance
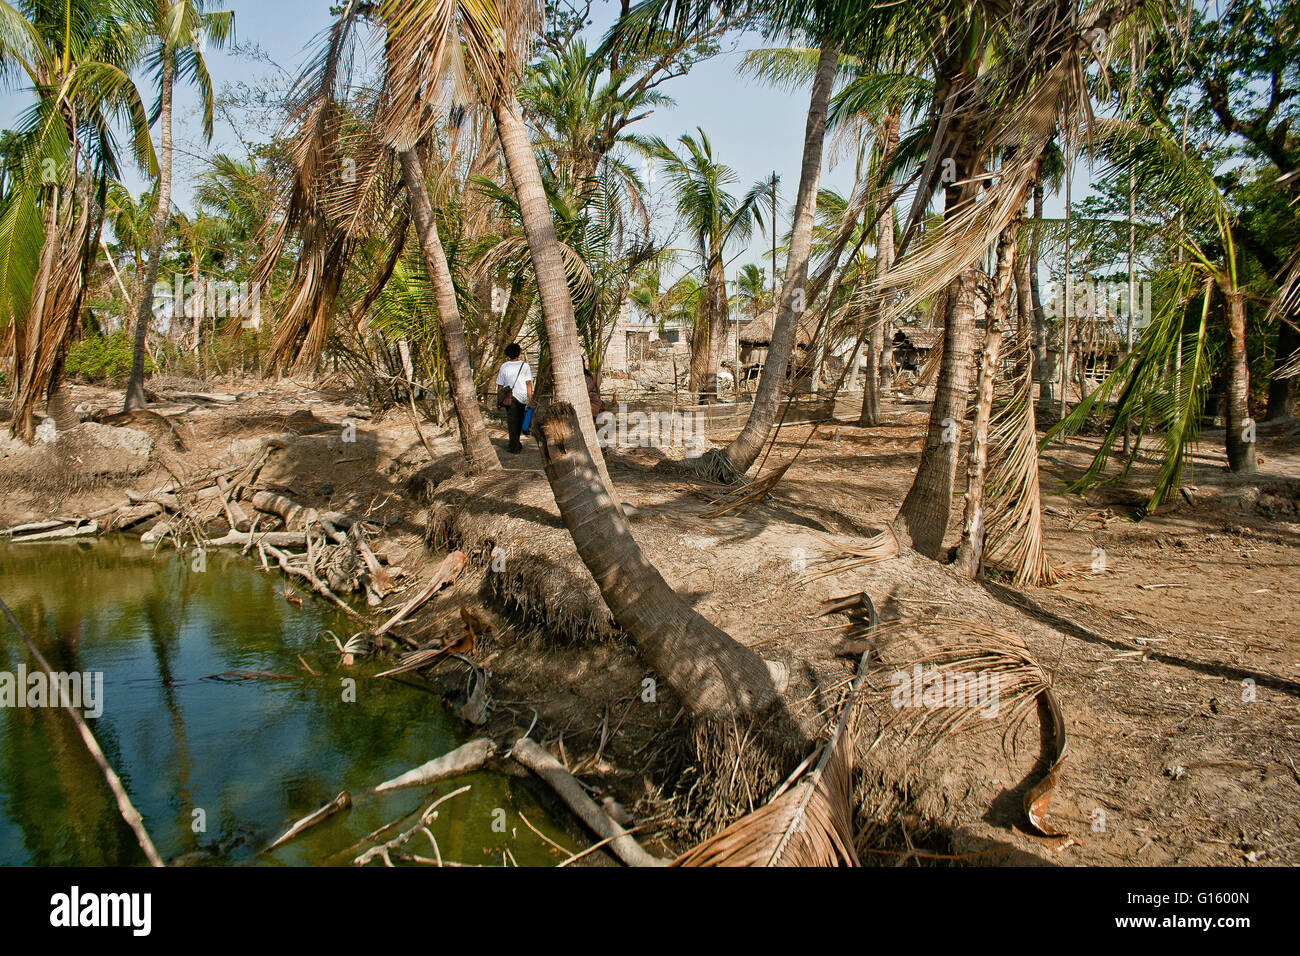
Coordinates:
100 358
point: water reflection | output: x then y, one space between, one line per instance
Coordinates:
252 755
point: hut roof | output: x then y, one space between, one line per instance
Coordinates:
919 338
759 332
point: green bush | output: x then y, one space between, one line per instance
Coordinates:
99 358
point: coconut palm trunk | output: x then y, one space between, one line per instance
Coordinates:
713 674
135 385
742 452
1240 427
884 262
1036 304
928 505
570 385
1281 391
479 453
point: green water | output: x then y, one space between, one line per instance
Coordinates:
252 755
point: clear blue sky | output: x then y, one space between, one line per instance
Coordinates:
754 129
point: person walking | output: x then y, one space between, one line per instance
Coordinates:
514 393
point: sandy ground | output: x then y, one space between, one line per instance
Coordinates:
1177 665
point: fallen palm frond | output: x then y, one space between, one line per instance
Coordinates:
809 824
746 494
881 547
974 672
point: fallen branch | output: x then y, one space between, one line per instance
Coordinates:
422 825
447 572
235 513
77 532
316 583
338 804
539 761
463 759
124 805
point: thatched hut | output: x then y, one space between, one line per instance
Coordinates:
912 344
756 339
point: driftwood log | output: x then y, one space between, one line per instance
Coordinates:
533 756
463 759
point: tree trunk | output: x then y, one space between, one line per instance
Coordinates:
884 262
713 674
1036 303
1240 427
552 281
135 385
1281 391
716 292
928 505
742 452
970 552
479 453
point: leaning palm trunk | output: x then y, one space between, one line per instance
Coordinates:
479 452
1240 428
135 385
570 385
713 674
742 452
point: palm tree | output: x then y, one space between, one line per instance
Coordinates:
76 58
174 33
479 452
712 673
714 219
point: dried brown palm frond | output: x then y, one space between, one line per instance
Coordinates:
1014 109
952 651
809 823
330 201
1014 507
38 340
879 548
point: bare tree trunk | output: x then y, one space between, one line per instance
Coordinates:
742 452
479 453
135 385
884 262
1240 427
1036 303
1281 391
970 552
552 281
714 675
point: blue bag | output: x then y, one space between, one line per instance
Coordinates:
528 419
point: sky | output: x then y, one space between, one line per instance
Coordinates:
754 129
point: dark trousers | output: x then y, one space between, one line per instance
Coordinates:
515 422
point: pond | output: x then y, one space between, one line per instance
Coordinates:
218 766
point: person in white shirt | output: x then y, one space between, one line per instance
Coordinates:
514 393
